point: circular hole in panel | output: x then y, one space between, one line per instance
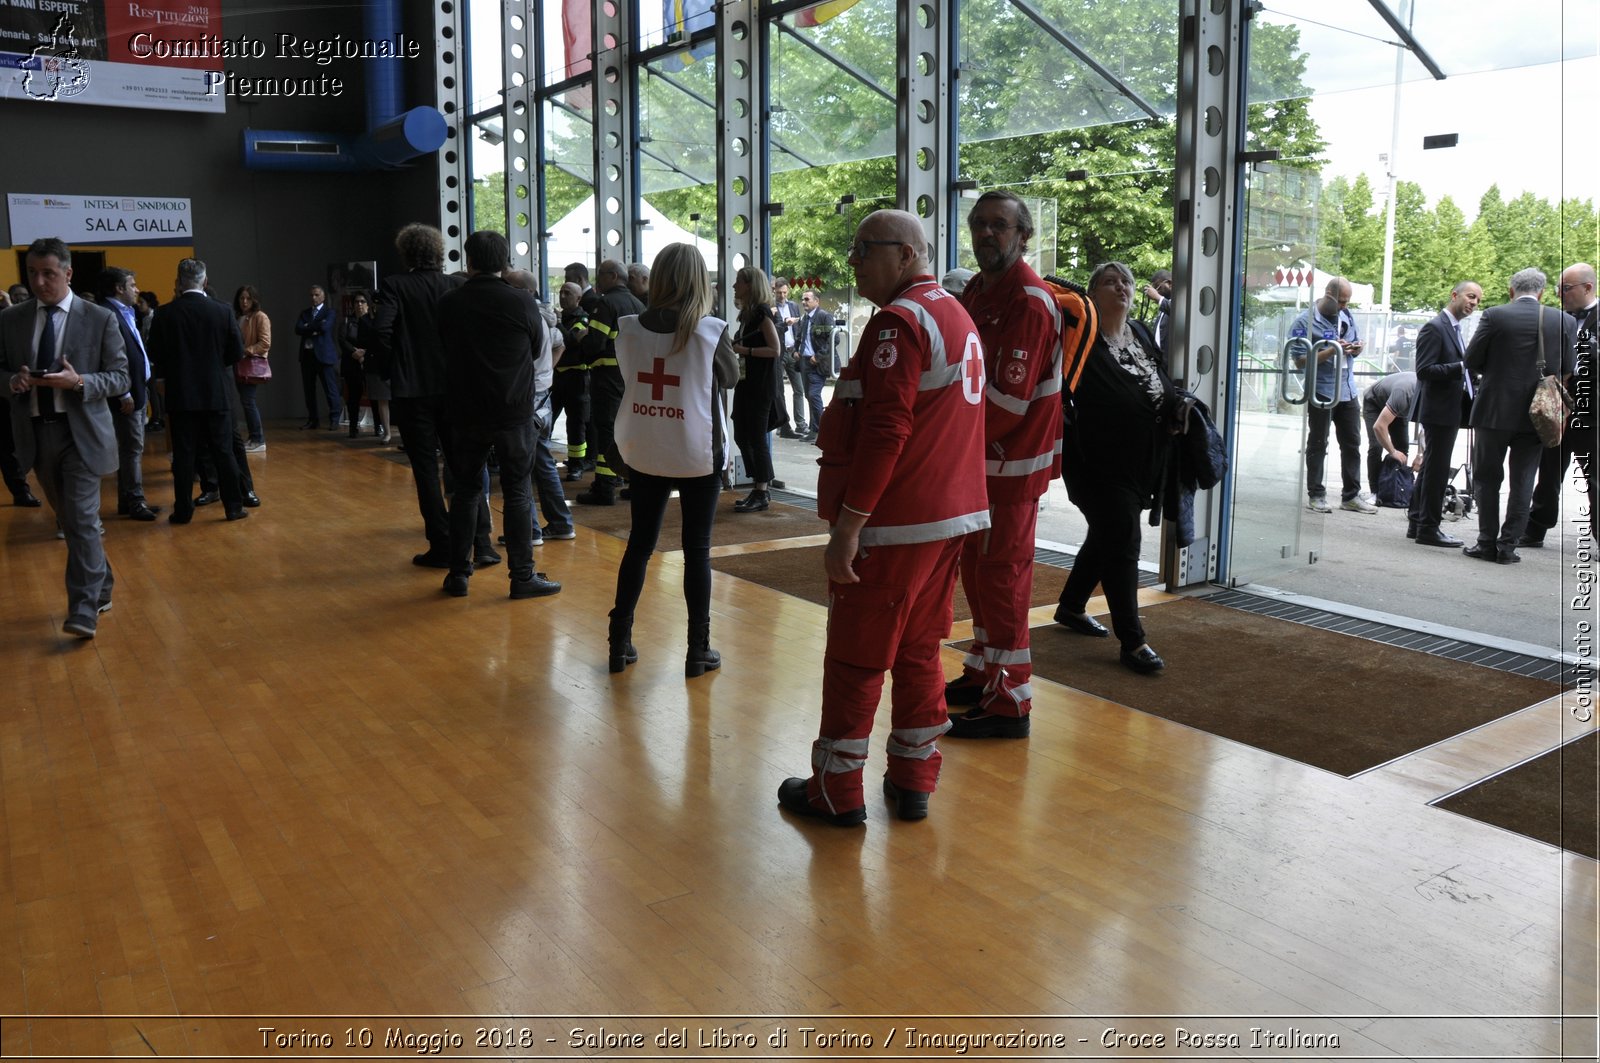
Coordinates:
1213 121
613 204
613 141
522 217
740 146
446 32
1205 359
519 136
612 107
519 108
739 261
925 110
925 16
519 164
739 69
924 158
610 40
924 206
1208 241
517 78
522 247
924 64
740 223
447 7
517 23
740 31
450 157
449 106
448 57
1214 60
1208 301
613 238
454 208
520 192
610 9
613 173
612 74
449 82
740 185
451 182
739 108
516 51
1218 6
1212 182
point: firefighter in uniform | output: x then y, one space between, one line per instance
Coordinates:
1021 331
901 485
605 380
571 392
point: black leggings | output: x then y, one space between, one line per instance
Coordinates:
697 500
1109 557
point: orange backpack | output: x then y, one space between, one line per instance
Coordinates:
1079 324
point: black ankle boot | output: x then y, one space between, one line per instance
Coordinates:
622 651
755 502
702 658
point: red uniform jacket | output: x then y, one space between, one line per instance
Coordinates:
902 440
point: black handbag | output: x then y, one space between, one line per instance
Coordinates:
1396 481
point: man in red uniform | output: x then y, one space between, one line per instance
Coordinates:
1021 331
901 485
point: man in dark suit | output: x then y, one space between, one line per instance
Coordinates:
319 357
64 358
1444 402
118 290
195 343
1578 300
406 326
1504 358
494 334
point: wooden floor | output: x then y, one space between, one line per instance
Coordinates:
290 778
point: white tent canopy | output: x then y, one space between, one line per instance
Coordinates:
572 239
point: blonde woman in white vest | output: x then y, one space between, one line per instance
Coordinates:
672 430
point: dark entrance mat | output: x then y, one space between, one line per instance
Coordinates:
1319 697
1552 798
799 572
779 522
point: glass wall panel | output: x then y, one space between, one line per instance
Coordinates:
832 84
678 154
569 182
487 144
568 40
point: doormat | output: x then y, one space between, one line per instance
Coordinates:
1552 798
799 572
1319 697
778 522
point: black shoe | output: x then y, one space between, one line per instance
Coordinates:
909 805
252 500
83 627
1507 556
1411 531
788 433
25 499
104 607
963 690
1143 660
1436 538
573 474
180 518
485 557
140 511
310 424
155 426
975 723
792 798
1532 540
551 531
701 658
538 585
432 559
238 514
1480 553
1083 625
619 639
455 585
208 498
809 437
600 493
381 434
754 502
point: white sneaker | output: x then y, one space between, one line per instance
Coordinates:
255 448
1319 505
1358 505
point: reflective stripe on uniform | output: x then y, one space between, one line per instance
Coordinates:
838 755
1023 466
900 534
916 743
601 327
941 372
999 656
602 361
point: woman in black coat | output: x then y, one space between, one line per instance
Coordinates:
1119 441
756 343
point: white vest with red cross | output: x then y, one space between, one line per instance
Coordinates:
667 424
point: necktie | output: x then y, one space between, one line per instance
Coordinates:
1466 374
46 360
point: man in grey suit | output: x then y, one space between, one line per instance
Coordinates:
1444 400
64 358
1504 357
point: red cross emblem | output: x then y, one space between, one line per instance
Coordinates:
659 381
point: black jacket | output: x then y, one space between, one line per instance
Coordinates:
493 333
194 343
1504 352
407 332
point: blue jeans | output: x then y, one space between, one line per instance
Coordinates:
252 413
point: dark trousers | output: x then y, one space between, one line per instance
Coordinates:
130 458
252 412
570 394
815 378
426 430
312 372
1428 500
1490 449
10 468
514 445
752 420
1577 444
194 431
797 392
355 382
697 501
1399 435
1109 557
605 399
1346 421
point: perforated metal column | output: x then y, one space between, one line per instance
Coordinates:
926 66
615 131
1211 58
741 234
450 90
524 129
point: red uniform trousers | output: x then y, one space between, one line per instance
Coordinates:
997 575
894 619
